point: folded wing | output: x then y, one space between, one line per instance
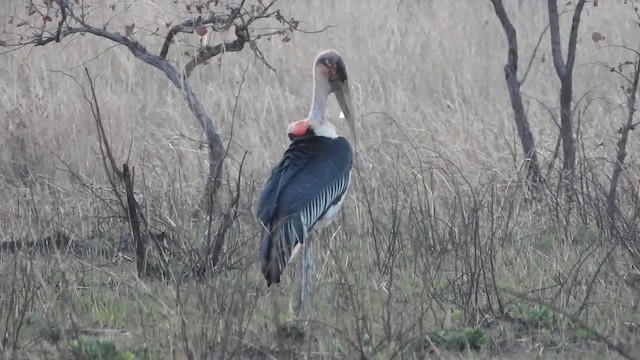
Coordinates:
304 186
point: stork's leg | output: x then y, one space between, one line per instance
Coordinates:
305 297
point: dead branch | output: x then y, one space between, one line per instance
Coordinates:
126 177
513 84
105 148
132 211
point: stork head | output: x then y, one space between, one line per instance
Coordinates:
330 67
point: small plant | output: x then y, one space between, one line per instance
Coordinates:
533 316
471 337
584 334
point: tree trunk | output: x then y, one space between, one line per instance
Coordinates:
522 124
217 150
513 84
564 70
566 125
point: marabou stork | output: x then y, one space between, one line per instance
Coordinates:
307 187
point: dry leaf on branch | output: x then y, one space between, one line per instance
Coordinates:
597 36
201 30
128 30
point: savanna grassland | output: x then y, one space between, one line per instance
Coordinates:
440 248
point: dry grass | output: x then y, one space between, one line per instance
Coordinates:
435 220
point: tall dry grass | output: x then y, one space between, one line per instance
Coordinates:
435 219
436 68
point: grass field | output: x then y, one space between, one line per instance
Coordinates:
437 238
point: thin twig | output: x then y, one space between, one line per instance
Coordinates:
533 56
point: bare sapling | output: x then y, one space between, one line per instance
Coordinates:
629 71
124 176
631 90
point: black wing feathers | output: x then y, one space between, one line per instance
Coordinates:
312 175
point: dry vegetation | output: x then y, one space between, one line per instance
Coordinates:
438 238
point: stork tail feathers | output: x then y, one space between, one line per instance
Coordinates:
279 245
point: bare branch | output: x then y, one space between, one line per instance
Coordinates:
573 36
63 17
316 31
621 47
554 26
95 109
105 148
618 71
209 52
224 22
209 126
188 26
533 56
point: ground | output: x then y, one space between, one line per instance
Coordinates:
440 249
